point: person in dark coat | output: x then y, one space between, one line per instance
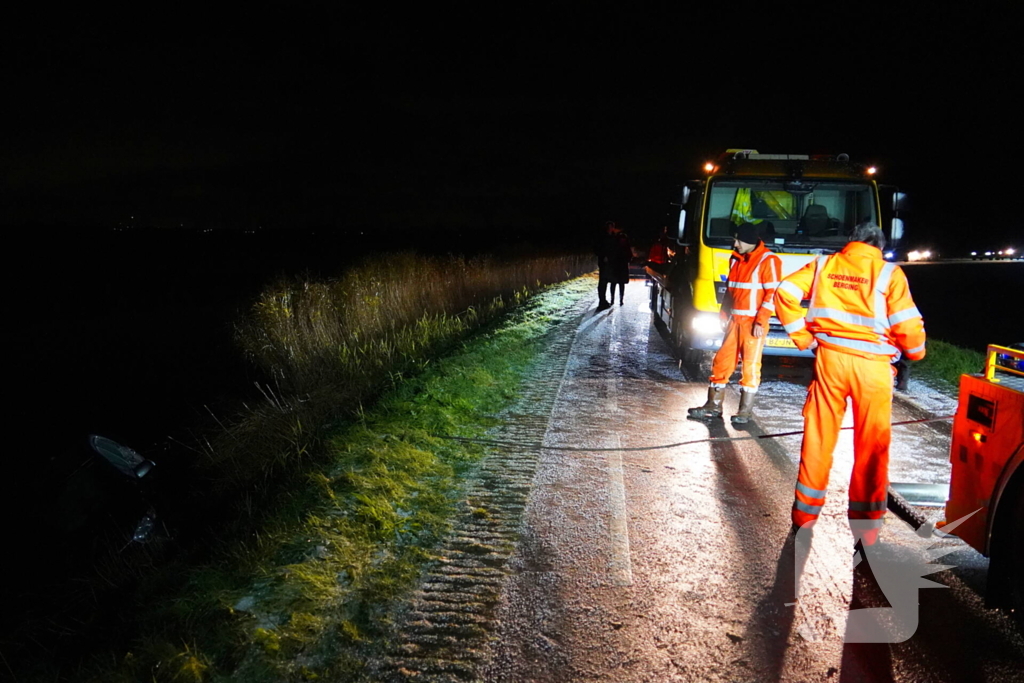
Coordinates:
613 256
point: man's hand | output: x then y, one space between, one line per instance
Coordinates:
758 330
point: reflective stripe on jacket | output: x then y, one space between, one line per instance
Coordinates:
753 278
860 304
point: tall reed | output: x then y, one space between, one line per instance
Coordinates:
331 346
382 315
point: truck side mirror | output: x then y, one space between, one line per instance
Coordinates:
896 234
685 198
682 225
899 201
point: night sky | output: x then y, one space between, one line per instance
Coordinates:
505 119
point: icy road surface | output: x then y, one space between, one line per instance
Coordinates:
678 565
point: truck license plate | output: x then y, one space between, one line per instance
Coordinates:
784 342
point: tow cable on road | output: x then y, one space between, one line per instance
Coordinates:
712 439
897 504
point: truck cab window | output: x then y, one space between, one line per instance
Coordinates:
823 217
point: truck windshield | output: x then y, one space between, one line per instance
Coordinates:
818 214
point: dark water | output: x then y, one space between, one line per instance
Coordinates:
130 335
970 304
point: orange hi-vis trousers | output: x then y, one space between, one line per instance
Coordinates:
739 343
868 383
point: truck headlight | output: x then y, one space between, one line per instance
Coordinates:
707 323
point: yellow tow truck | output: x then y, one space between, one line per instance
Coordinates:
803 206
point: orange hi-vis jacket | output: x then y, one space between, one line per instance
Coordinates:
753 278
860 304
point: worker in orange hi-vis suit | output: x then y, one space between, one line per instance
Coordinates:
861 318
754 274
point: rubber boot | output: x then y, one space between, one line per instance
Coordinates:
902 374
746 411
713 407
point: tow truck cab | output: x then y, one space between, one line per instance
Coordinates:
803 206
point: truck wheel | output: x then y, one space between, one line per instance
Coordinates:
1015 556
693 356
1005 585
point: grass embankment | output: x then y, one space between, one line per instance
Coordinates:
944 363
338 497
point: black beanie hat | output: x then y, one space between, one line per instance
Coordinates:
747 232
